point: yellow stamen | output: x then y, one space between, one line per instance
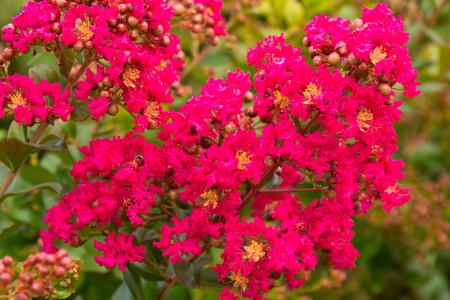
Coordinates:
311 91
126 203
377 55
364 118
17 99
281 101
255 251
392 189
152 112
130 76
376 149
240 282
243 160
83 30
210 198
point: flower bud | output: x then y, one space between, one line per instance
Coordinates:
61 3
334 58
121 27
7 260
21 297
78 46
306 42
173 195
269 162
113 109
352 60
122 8
357 23
8 27
5 277
230 128
89 45
143 27
317 60
248 97
60 271
8 53
134 35
385 89
132 21
178 9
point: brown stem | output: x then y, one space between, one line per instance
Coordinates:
255 189
12 173
197 59
310 123
165 288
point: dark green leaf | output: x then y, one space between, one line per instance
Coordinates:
145 273
13 153
51 143
133 282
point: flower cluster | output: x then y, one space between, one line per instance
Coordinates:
29 101
202 17
303 148
111 53
40 275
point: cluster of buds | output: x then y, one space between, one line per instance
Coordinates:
201 17
40 275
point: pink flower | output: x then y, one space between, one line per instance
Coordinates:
118 250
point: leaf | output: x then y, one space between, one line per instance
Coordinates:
51 143
13 153
80 112
133 282
55 186
43 72
17 131
145 273
122 293
185 273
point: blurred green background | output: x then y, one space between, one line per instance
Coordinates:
404 255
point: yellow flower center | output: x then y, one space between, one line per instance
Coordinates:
243 160
392 189
83 30
255 251
210 198
364 118
17 99
311 91
281 101
240 282
376 149
130 76
126 203
377 55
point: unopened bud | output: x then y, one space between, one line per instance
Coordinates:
8 53
78 46
173 195
357 23
132 21
317 60
143 27
113 109
334 58
121 27
385 89
230 128
352 60
122 8
269 162
306 42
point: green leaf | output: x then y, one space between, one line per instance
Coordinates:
13 153
145 273
185 273
51 143
133 282
43 72
80 113
122 293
